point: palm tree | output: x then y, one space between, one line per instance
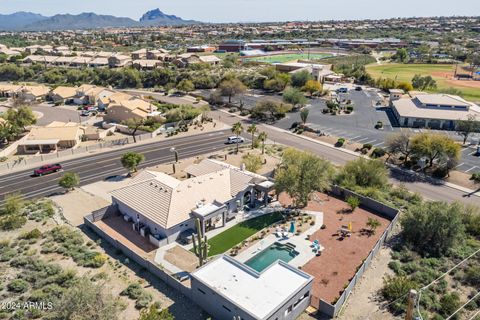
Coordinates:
252 129
263 137
237 129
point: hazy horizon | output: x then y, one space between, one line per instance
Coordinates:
250 10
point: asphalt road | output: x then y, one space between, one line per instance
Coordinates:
338 157
98 167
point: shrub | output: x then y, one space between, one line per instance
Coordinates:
434 227
12 222
340 142
449 304
253 163
133 291
395 287
472 275
18 286
353 202
367 146
395 266
379 125
143 300
350 108
32 234
378 153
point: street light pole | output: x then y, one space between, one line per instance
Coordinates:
172 149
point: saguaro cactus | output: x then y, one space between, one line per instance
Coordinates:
200 245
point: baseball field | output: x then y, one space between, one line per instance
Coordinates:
442 73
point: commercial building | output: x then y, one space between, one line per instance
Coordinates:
435 111
228 289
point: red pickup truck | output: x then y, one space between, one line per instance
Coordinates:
46 169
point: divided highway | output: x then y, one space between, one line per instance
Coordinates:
97 167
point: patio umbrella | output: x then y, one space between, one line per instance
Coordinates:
292 227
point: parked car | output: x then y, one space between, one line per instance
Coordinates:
342 90
233 139
47 169
358 88
87 113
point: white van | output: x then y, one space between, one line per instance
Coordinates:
233 139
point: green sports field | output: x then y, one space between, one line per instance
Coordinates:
281 58
442 73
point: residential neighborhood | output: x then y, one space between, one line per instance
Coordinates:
256 162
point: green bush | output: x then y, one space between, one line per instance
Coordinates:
12 222
18 286
378 153
340 142
449 304
32 234
472 275
396 267
367 146
133 291
143 300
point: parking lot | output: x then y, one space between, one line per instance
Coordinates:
360 125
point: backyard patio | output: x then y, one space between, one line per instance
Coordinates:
344 250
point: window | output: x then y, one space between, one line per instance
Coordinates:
226 308
201 291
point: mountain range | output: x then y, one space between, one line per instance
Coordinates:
28 21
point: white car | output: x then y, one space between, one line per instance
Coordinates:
233 139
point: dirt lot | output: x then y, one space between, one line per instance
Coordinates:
341 257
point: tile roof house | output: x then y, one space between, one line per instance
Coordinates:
164 207
52 137
126 109
63 94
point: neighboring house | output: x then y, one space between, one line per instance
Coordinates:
89 94
33 93
186 59
63 94
435 111
52 137
228 289
123 110
145 64
9 90
119 60
139 54
107 97
158 54
161 207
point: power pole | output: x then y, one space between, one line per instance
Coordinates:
412 298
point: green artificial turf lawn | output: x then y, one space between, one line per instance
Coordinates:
236 234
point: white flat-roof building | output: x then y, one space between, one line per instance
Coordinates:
228 289
435 111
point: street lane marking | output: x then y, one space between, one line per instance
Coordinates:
364 139
471 169
461 164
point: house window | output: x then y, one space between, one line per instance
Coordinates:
226 308
201 291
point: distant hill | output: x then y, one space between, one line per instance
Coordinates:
18 20
156 17
86 20
36 22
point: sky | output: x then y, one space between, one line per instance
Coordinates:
252 10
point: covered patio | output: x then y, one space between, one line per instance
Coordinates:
35 146
210 215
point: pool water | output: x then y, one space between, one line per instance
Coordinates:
276 251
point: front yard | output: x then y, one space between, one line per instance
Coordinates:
238 233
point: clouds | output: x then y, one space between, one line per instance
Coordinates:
251 10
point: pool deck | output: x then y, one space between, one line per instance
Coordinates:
302 245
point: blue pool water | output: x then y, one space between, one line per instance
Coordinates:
265 258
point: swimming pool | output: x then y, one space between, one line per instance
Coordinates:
277 251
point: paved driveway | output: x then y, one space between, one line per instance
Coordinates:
50 113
